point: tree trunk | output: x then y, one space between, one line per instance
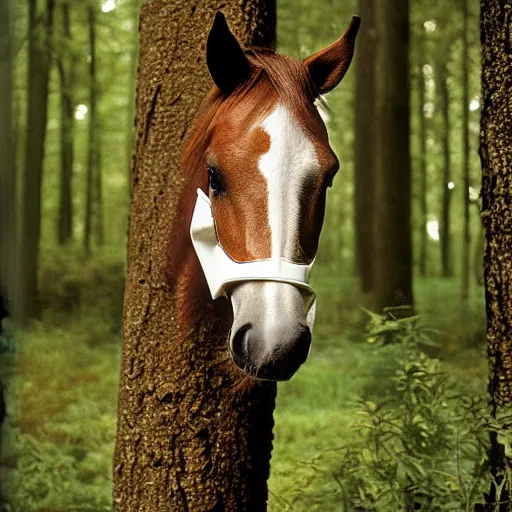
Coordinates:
392 255
65 65
130 132
7 190
496 158
185 441
478 256
444 228
365 150
422 135
93 199
466 241
7 162
39 51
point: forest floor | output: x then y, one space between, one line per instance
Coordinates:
68 379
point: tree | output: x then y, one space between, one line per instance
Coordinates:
65 66
365 134
39 51
466 240
131 91
7 189
422 135
185 439
7 161
496 159
93 191
444 102
393 259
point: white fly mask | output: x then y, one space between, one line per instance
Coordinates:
222 272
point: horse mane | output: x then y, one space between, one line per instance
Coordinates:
274 78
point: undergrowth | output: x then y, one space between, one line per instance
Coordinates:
378 426
419 442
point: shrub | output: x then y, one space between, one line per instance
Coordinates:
421 444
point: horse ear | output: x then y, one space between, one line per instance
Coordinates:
328 66
225 58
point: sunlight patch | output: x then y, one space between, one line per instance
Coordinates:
475 104
80 112
430 25
108 5
433 230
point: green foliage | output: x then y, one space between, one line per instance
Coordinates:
420 446
62 418
73 283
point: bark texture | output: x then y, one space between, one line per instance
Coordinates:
93 194
496 157
39 52
393 269
365 137
185 440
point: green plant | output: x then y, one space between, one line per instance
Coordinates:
420 446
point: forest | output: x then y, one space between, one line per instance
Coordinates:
404 402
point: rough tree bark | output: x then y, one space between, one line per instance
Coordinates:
365 137
39 51
65 66
393 259
185 440
130 131
496 158
444 227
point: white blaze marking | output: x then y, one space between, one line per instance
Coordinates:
289 161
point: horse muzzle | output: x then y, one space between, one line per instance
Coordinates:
273 304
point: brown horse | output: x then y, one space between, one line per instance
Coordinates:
260 155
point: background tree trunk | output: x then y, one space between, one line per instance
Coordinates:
365 135
466 241
496 157
444 227
422 135
393 275
7 192
7 162
185 440
39 51
93 199
65 65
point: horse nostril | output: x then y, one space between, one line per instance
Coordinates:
240 345
289 360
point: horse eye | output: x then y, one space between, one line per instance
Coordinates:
215 181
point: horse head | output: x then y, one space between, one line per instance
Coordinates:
265 163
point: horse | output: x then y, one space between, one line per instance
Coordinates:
260 164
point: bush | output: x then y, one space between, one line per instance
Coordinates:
61 423
78 285
421 445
